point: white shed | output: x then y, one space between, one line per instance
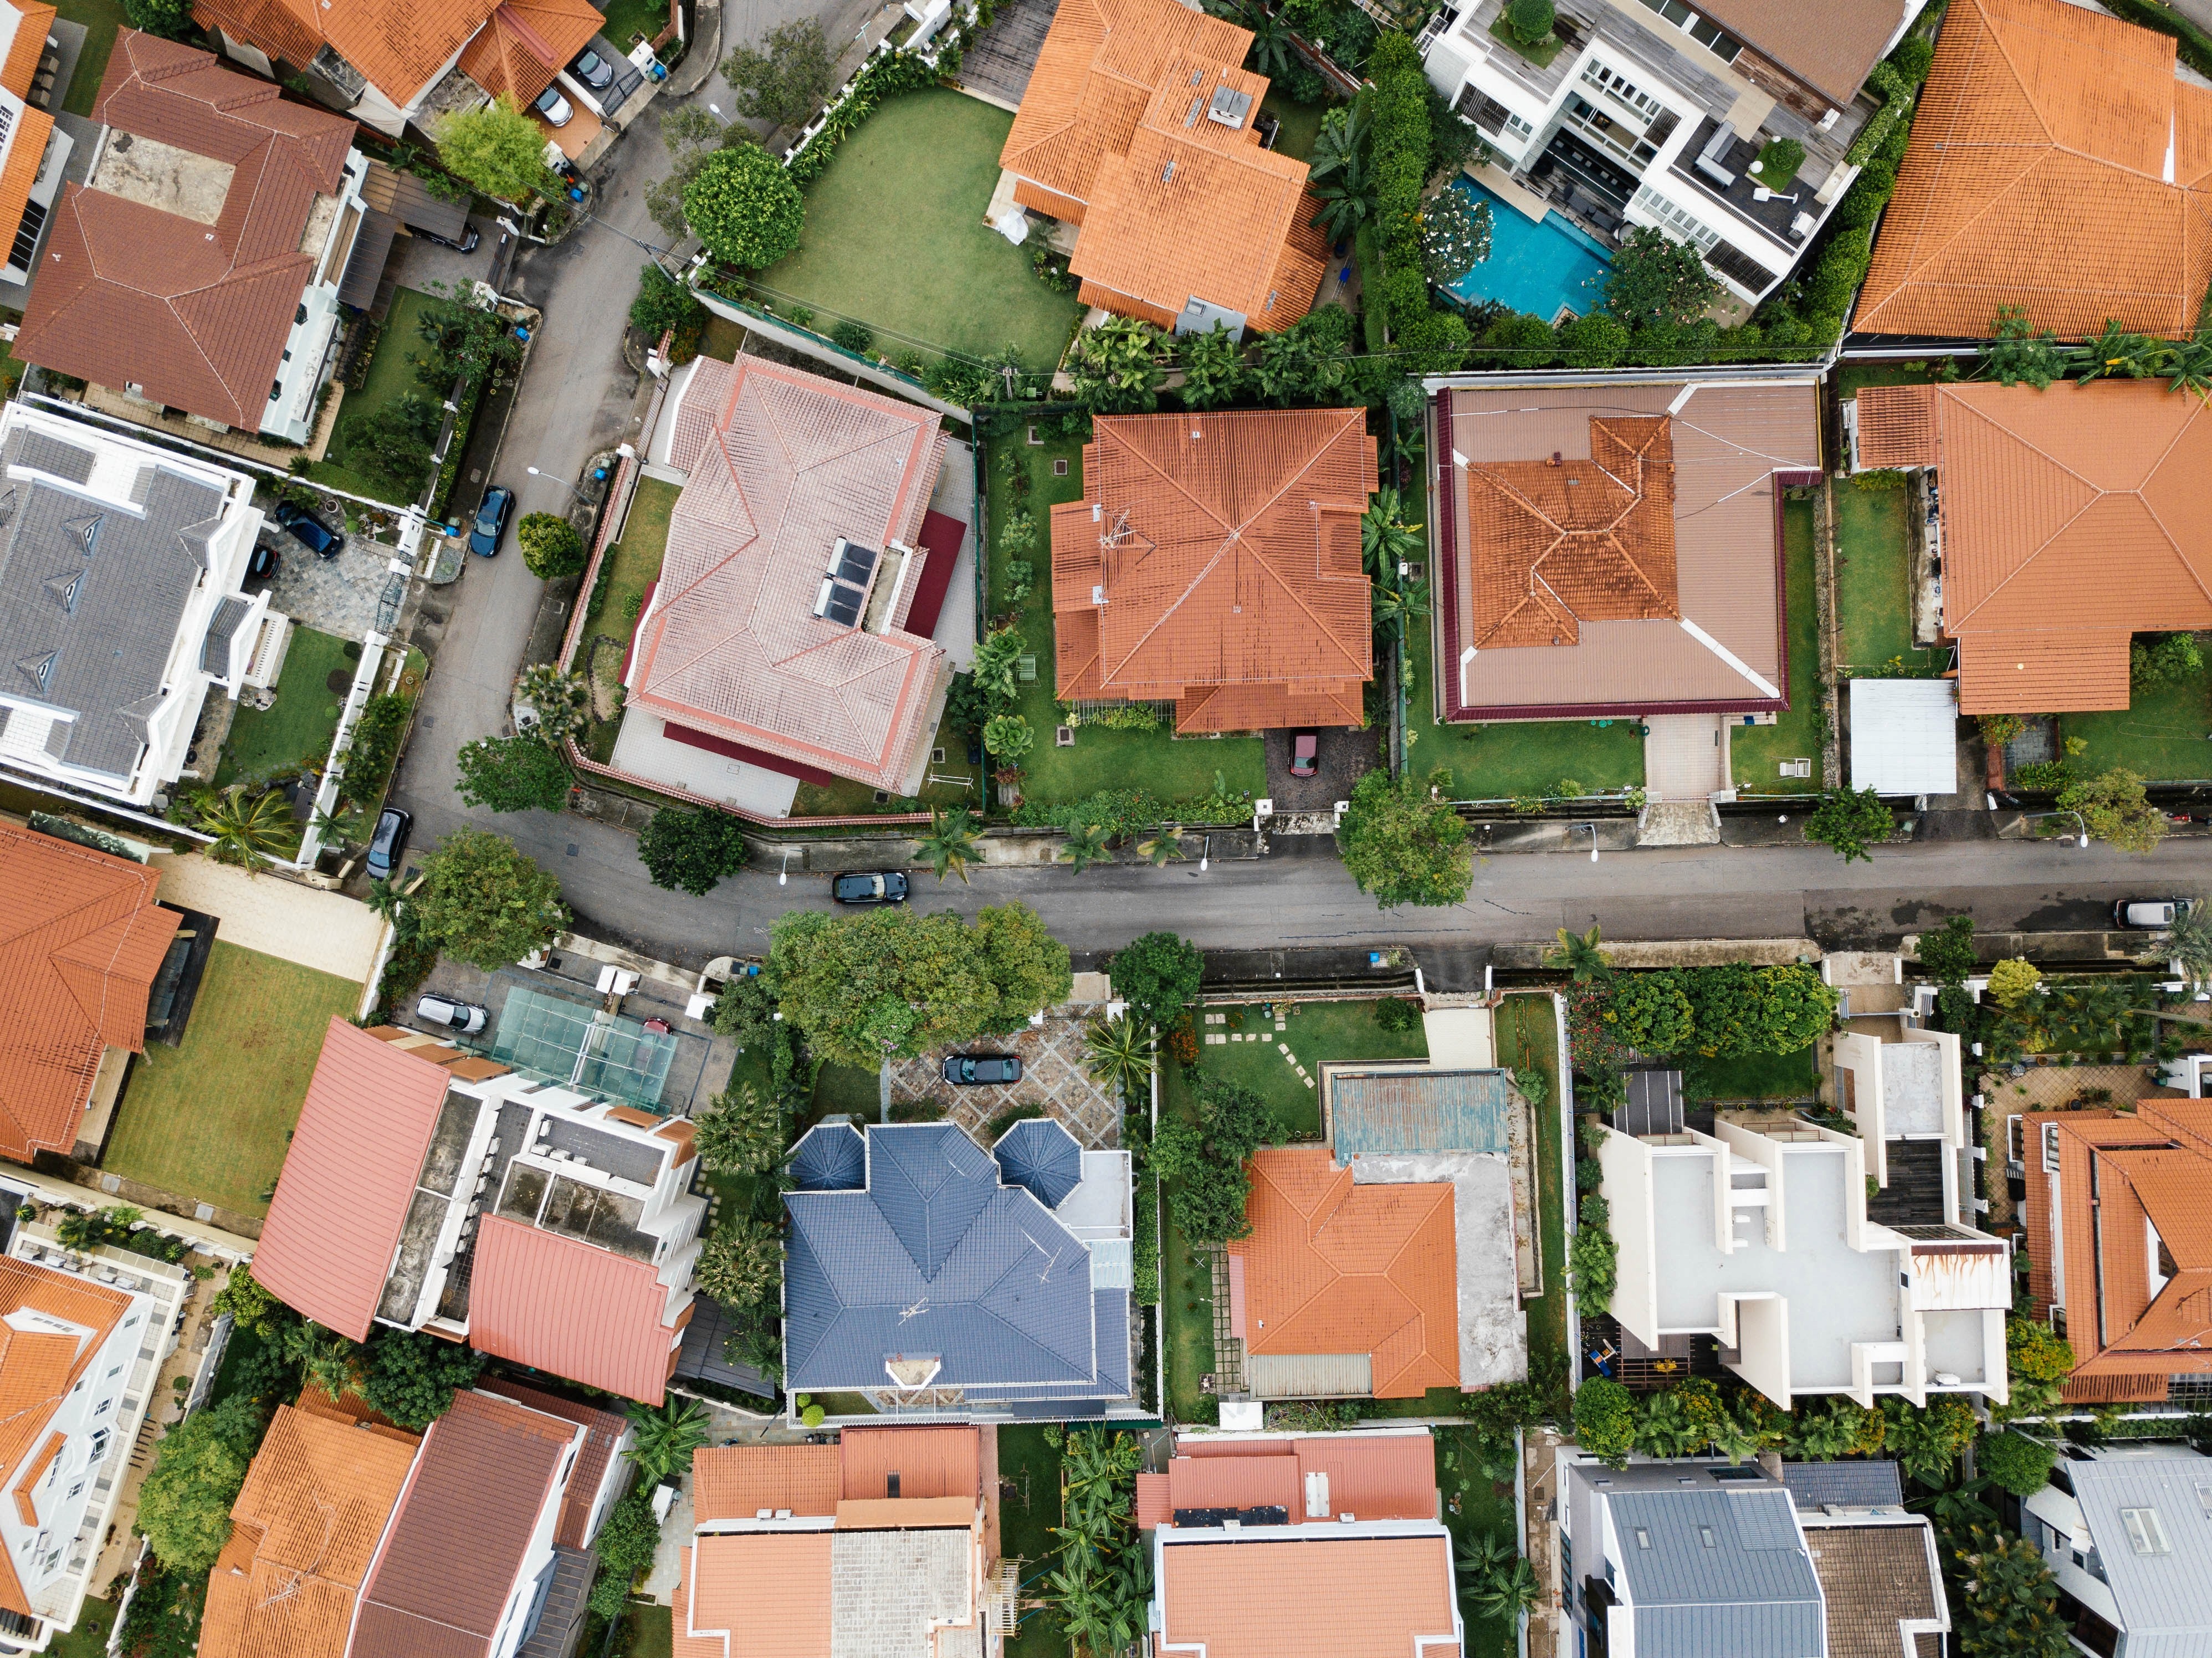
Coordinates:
1905 736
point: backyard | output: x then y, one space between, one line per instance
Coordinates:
2161 734
631 566
895 239
294 731
1873 581
1528 1039
1757 752
1474 1506
1520 760
94 1618
389 377
102 19
1755 1077
1029 1462
209 1118
628 20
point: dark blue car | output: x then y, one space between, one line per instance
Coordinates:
318 536
491 522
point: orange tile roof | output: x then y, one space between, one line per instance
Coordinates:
34 22
80 939
570 1308
687 1645
27 152
525 43
2039 175
289 30
1311 1596
1371 1476
2072 517
904 1513
767 1594
1216 559
1332 1267
735 1482
398 45
307 1523
27 1505
929 1461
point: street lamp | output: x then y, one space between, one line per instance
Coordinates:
1204 850
563 483
1592 827
783 875
2075 816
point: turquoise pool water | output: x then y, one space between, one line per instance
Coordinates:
1533 267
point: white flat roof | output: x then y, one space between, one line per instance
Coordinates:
1905 736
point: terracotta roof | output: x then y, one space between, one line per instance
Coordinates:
2072 517
1378 1477
1215 560
766 1594
781 465
1332 1267
603 1431
348 1176
463 1533
19 171
570 1308
81 940
735 1482
1832 48
904 1513
930 1462
400 46
306 1527
1874 1579
687 1645
34 22
525 43
1316 1597
287 29
127 293
2056 164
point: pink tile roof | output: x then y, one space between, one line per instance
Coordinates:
569 1307
348 1176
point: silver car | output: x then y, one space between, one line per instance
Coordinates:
465 1018
2148 914
554 107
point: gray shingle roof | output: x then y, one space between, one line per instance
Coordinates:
1713 1571
1847 1485
1042 1157
223 627
2160 1592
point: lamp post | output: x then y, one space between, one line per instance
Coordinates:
1592 827
2083 842
783 874
563 483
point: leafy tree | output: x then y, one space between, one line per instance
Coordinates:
465 341
1740 1010
497 149
247 832
412 1377
954 842
1163 847
626 1544
1605 1420
1403 846
2020 353
742 1132
550 546
2014 1462
691 133
1157 974
484 902
393 439
745 1011
250 1306
2116 810
664 1436
1596 340
2038 1361
2167 660
2011 983
663 305
692 848
1008 738
1926 1443
1386 540
184 1507
744 205
1027 965
1850 821
513 774
787 77
742 1265
170 19
1118 367
1656 279
1581 957
1086 844
1822 1433
1118 1052
1593 1256
1947 951
1652 1014
562 701
2007 1605
1213 367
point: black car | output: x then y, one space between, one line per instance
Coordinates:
389 844
310 529
491 522
470 238
594 70
973 1070
262 562
869 886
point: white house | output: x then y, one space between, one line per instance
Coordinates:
2127 1531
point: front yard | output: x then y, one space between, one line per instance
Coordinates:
1316 1033
1757 752
2161 734
631 565
294 732
389 377
1521 760
210 1118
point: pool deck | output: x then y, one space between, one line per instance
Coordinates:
1525 202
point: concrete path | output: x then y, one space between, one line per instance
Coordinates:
293 923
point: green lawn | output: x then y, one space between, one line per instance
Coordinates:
390 377
894 238
1873 575
102 19
1528 1038
631 565
1026 1516
1301 124
1757 752
1754 1077
647 1631
1187 1312
296 732
1317 1032
847 1088
1099 759
628 19
1520 758
94 1621
1475 1507
209 1118
2159 734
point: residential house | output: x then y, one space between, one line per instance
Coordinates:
1902 1085
934 1276
82 942
388 62
199 265
33 149
1657 114
1614 549
1802 1560
2118 1262
883 1543
2127 1532
1757 1235
84 1335
1323 1543
790 629
2065 521
427 1189
2059 163
1141 128
1214 565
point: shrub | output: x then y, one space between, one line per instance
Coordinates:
1779 161
1520 341
375 746
1008 738
1593 1257
1396 1013
663 305
2011 983
550 546
853 337
1650 1013
1596 340
1529 21
184 1507
1850 822
745 207
2038 1361
1605 1419
2165 660
2017 1463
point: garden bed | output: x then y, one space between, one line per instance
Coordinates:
631 566
389 377
1756 752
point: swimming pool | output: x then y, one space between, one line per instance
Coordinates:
1533 267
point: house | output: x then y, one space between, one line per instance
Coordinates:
1319 1543
1614 549
199 264
82 942
2059 163
1656 114
1142 130
1214 565
2125 1530
790 630
84 1336
1798 1560
2117 1261
1902 1085
2066 520
933 1275
883 1543
1758 1234
428 1189
388 62
33 149
121 605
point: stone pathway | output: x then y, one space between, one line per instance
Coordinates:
1226 1037
1052 1076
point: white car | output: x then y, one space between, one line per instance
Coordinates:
466 1018
2148 914
554 107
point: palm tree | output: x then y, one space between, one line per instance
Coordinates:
1734 1440
1581 957
247 832
1386 540
1508 1594
1086 845
1119 1052
953 842
1164 848
2189 940
1346 197
1271 43
384 900
666 1437
341 826
1399 602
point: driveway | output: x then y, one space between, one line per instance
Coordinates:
1345 753
1052 1077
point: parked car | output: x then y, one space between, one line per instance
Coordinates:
389 843
464 1017
2148 914
491 523
470 237
262 562
869 886
594 70
310 531
1305 753
973 1070
556 110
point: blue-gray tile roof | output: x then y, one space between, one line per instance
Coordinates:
1043 1156
2162 1594
1718 1571
1847 1485
831 1157
1390 1113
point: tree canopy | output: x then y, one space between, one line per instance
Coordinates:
550 546
1653 278
1402 847
744 205
787 77
742 1265
412 1377
497 149
485 902
692 848
743 1133
1157 974
184 1507
512 774
1850 822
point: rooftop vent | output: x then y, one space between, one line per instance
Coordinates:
1229 107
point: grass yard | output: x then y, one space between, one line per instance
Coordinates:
1757 752
631 565
1099 759
2161 734
894 238
211 1118
647 1631
296 730
390 376
94 1618
1528 1039
626 20
102 19
1523 758
1317 1033
1187 1315
1755 1077
1026 1517
847 1088
1301 124
1873 574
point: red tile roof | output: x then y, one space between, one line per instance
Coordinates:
81 940
735 1482
571 1309
525 43
603 1431
398 45
196 314
1371 1476
929 1461
766 1594
1311 1596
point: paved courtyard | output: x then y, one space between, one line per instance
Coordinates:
338 595
1052 1076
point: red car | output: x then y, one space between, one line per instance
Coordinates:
1305 753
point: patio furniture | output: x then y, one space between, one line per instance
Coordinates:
1709 158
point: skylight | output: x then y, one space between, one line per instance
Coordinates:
2145 1535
